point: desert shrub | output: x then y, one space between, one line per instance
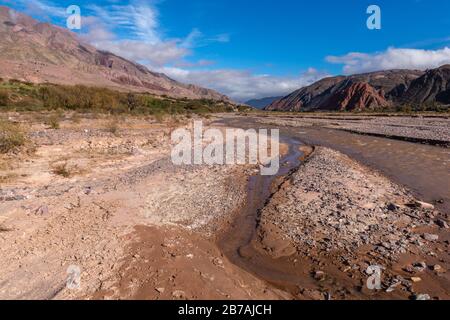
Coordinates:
4 97
53 121
113 127
62 170
11 136
29 97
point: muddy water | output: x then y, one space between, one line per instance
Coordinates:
423 169
236 242
239 243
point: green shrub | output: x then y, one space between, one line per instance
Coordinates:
113 127
62 170
53 122
11 136
4 98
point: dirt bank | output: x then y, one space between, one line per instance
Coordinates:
83 196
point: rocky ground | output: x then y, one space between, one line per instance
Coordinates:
346 217
77 197
423 129
102 195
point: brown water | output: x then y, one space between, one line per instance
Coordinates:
423 169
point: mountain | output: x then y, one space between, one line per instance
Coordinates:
357 92
41 52
261 103
433 86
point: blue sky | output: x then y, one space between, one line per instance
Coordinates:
256 48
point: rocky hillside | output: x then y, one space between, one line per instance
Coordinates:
40 52
370 91
261 103
432 87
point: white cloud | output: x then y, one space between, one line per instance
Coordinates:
392 58
133 32
244 85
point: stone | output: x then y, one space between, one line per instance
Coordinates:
420 266
392 207
393 286
423 205
431 237
442 223
437 268
422 297
179 294
41 211
416 279
319 275
160 290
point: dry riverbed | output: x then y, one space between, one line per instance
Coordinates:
103 195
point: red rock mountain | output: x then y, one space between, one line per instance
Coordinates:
356 96
41 52
367 91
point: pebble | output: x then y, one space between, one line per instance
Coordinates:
424 205
420 266
422 297
437 268
41 211
431 237
441 223
319 275
160 290
179 294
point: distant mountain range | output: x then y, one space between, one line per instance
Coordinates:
370 91
41 52
261 103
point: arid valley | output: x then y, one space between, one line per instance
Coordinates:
243 158
106 198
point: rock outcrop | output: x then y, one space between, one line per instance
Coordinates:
432 87
374 90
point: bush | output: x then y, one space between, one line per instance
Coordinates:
62 170
4 98
11 136
53 122
113 127
26 96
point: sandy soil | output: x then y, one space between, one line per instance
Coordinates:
90 219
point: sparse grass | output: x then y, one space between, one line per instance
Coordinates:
75 118
53 122
4 98
113 127
12 136
159 117
62 170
